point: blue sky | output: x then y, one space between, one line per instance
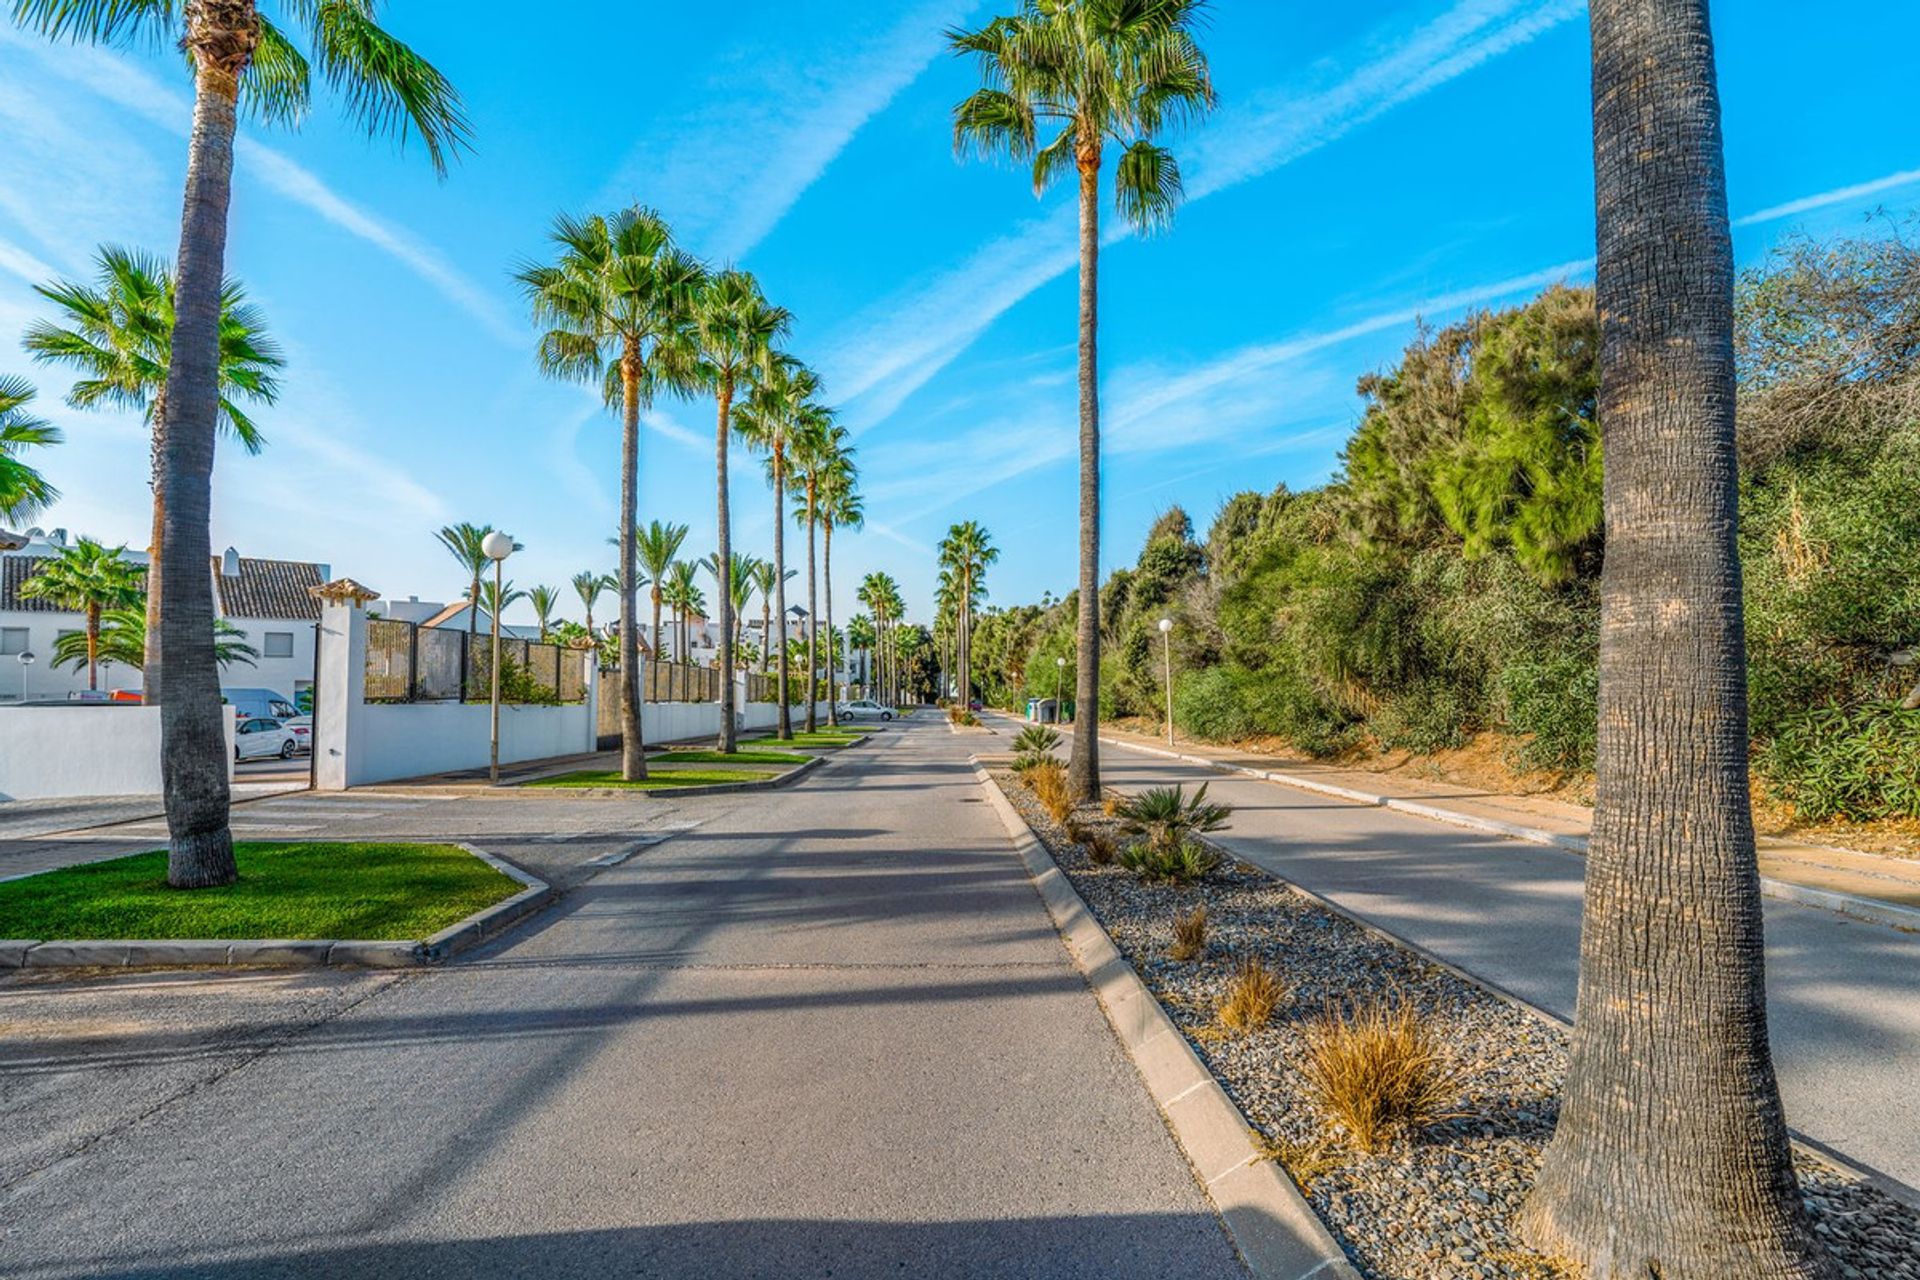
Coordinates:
1369 164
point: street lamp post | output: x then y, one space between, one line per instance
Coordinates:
1166 648
498 547
1060 690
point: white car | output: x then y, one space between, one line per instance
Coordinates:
260 738
865 707
302 729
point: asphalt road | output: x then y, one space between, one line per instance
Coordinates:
828 1031
1843 995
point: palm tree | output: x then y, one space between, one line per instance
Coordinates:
466 543
839 505
618 301
496 597
123 639
544 600
87 578
118 335
234 50
588 586
682 592
816 441
967 551
742 578
860 636
734 329
1671 1154
768 420
24 492
764 583
656 546
1099 71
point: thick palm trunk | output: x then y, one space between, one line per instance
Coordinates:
93 646
723 569
193 740
813 623
152 677
633 746
1671 1155
780 583
1083 764
826 574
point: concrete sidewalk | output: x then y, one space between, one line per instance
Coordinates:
1819 869
833 1035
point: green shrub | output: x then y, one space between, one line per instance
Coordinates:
1859 763
1430 716
1034 745
1181 863
1167 816
1551 700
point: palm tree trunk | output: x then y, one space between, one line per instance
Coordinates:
780 581
193 742
826 571
1671 1155
633 746
1083 763
659 645
151 676
813 622
766 632
93 646
723 569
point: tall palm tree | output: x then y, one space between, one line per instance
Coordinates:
24 492
967 551
496 597
87 578
840 505
1098 71
588 586
656 548
122 638
816 441
768 420
545 600
618 302
734 329
682 592
466 543
1671 1154
872 595
763 581
234 51
741 580
860 636
117 333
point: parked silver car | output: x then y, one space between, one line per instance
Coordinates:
260 738
866 707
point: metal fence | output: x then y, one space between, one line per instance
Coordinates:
407 662
681 682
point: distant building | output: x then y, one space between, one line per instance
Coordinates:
268 600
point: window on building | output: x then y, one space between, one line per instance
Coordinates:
278 644
13 641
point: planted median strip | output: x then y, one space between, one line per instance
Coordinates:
825 738
729 757
664 780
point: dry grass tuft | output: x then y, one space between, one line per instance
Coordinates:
1110 806
1256 992
1049 783
1189 934
1101 849
1074 829
1304 1161
1380 1071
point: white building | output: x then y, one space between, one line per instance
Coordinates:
268 600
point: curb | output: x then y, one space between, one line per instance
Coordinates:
292 953
1868 909
1275 1230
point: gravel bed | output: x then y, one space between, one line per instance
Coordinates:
1438 1205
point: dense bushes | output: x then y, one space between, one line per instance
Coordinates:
1445 582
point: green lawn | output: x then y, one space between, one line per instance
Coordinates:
375 892
724 757
665 780
822 738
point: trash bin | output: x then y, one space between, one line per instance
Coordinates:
1046 711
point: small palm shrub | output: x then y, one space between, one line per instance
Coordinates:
1101 849
1183 863
1189 934
1167 816
1380 1071
1034 745
1255 993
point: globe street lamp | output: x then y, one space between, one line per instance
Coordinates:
1166 646
498 547
1060 690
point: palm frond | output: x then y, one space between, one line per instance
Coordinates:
393 90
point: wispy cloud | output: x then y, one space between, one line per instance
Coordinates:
738 167
1839 195
894 349
121 82
17 261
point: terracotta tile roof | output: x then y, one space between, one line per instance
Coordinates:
278 589
14 572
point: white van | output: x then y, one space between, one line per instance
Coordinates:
251 704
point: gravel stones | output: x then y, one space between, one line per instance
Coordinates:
1438 1204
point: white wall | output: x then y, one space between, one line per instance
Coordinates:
51 752
680 721
406 740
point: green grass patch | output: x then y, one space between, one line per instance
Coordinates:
666 780
376 892
823 738
727 757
